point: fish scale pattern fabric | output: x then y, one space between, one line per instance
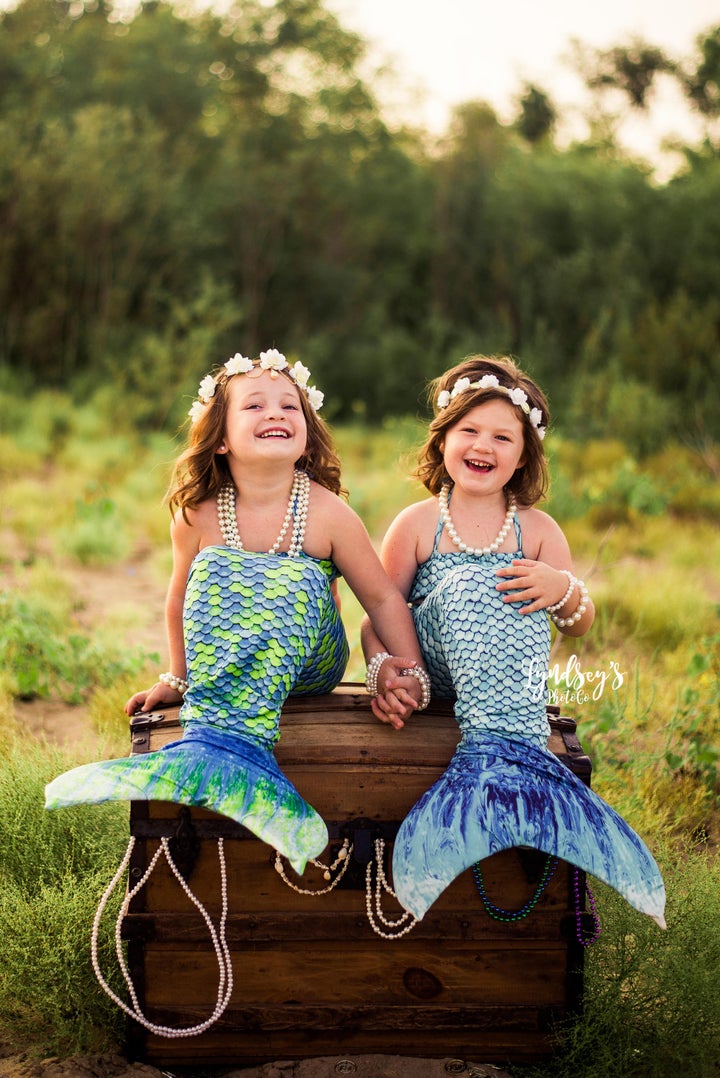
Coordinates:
503 787
478 649
257 628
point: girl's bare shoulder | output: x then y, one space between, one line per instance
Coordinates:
413 529
419 515
325 504
538 530
198 526
331 523
197 516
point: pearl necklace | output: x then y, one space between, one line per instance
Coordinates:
373 897
479 551
218 937
406 922
297 511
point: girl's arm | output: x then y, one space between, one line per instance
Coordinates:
399 557
542 581
381 599
185 544
389 621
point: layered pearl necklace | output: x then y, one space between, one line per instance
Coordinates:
297 511
450 527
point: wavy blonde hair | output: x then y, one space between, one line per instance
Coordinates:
529 484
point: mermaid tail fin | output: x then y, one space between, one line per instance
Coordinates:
223 773
507 793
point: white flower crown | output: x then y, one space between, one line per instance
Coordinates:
489 381
272 360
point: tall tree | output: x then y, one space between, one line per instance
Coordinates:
630 68
537 114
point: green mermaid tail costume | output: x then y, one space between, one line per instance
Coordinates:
257 628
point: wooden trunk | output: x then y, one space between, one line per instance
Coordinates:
311 977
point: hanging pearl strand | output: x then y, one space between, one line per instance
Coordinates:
407 920
300 499
219 941
296 512
450 527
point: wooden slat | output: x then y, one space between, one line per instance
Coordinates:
321 975
247 929
484 1035
428 739
256 887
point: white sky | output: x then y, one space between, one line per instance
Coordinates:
450 51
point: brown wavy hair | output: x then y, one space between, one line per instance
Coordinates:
200 471
529 484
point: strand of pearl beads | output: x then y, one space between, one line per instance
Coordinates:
373 669
219 941
297 510
174 682
450 527
559 605
381 885
301 499
421 676
342 859
563 623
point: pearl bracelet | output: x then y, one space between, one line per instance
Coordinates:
373 669
563 623
422 677
558 606
172 681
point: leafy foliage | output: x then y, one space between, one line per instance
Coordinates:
42 652
53 868
175 186
651 1006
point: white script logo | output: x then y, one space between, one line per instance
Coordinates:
573 684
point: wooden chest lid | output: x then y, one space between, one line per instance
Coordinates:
338 728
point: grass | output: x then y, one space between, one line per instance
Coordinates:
652 1008
42 650
79 489
53 867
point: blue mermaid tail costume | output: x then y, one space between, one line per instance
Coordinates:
257 628
503 787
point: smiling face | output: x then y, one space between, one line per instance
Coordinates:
265 420
484 448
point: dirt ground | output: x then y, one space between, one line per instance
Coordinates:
114 1066
99 592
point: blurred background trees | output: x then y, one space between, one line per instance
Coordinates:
176 187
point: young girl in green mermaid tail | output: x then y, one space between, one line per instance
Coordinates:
259 535
484 571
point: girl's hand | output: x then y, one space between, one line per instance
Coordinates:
398 695
158 695
534 583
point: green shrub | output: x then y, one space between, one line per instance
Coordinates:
50 1001
54 867
97 534
652 1008
41 652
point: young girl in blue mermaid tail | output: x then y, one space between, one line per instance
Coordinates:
259 535
484 572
